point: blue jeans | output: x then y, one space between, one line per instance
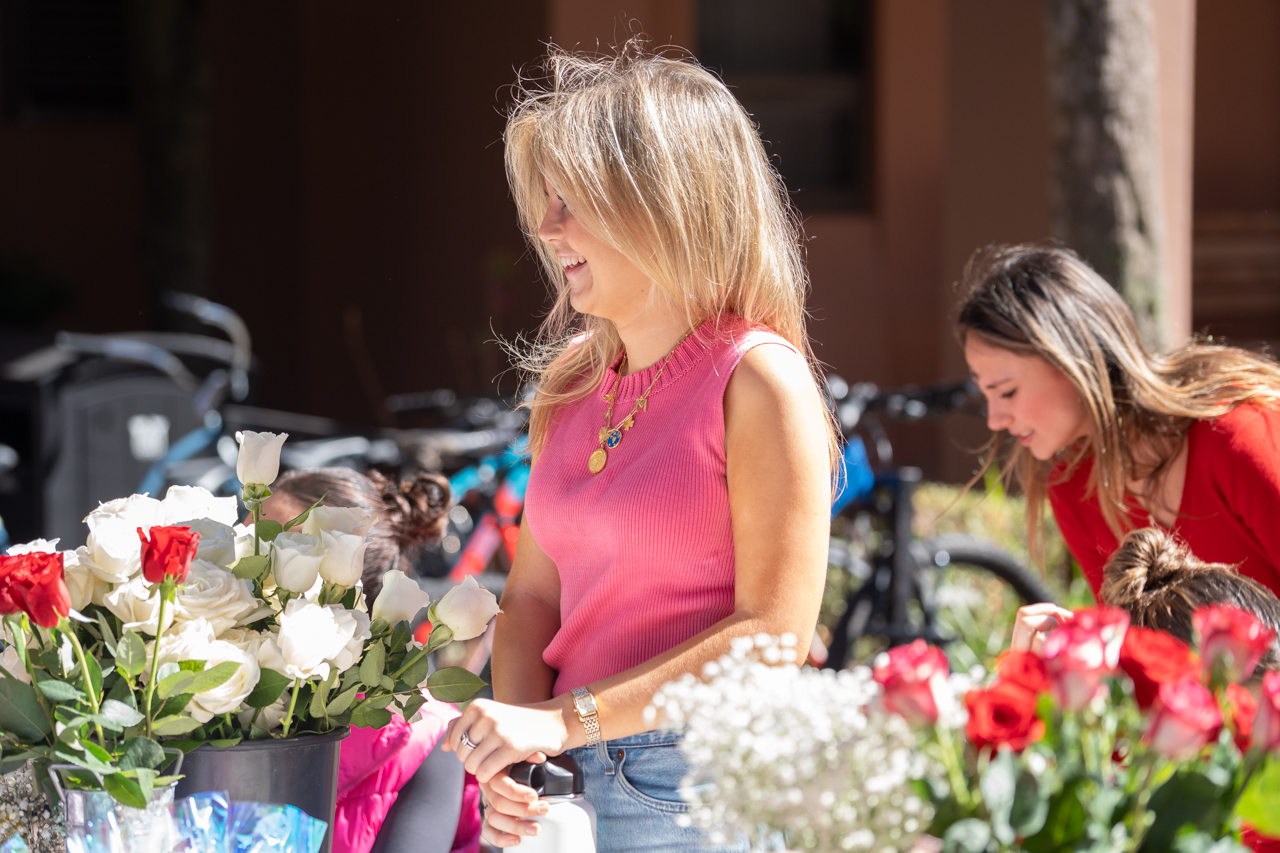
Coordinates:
633 784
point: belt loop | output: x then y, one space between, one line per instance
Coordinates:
602 751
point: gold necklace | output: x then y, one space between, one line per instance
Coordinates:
611 436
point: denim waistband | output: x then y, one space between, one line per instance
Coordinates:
657 737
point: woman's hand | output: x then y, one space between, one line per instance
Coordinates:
498 735
1033 624
508 805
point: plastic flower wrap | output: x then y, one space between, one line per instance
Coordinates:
802 752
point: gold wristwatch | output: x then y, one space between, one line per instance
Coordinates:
585 704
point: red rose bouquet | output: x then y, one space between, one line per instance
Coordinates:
1108 738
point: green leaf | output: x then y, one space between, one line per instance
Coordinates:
378 627
301 519
146 781
131 655
1186 798
173 705
411 704
321 694
967 836
375 660
372 718
1030 808
121 693
20 711
92 684
1258 803
342 701
191 665
225 743
267 530
251 568
60 691
271 686
998 784
400 635
211 678
108 636
177 724
176 683
125 790
141 752
454 684
120 713
417 673
86 759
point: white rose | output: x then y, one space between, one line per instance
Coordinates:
244 541
214 594
244 639
81 581
466 609
343 562
186 502
269 718
259 460
354 625
137 605
217 543
400 599
339 519
228 695
10 661
114 546
295 560
310 635
35 546
187 642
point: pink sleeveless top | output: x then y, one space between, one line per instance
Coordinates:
644 548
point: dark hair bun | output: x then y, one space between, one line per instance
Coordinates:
1145 564
416 507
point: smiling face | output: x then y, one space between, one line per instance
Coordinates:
1028 396
602 281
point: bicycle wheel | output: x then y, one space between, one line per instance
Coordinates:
960 549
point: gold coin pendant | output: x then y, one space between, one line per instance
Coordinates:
596 463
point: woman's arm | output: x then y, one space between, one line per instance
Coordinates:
529 620
779 495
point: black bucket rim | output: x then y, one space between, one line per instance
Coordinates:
277 743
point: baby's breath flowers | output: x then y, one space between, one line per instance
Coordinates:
776 748
24 811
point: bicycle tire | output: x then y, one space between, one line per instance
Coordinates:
967 550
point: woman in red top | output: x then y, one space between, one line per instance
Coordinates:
1118 438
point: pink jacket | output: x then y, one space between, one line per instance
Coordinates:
376 763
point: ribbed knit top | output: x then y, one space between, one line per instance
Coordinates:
644 548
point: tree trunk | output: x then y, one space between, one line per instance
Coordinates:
1106 183
171 98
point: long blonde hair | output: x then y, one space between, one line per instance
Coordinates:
1046 301
654 156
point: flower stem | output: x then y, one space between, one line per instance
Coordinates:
955 773
90 690
155 658
1140 802
293 703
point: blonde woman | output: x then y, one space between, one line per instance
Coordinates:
1116 437
682 455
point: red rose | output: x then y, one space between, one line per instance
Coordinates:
1110 623
33 583
1003 715
168 553
1243 708
1152 658
1184 718
910 675
1024 669
1231 635
1266 724
1075 658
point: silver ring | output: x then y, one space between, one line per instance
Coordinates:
467 741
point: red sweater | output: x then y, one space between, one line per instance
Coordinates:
1230 510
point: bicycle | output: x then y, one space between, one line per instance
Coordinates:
894 594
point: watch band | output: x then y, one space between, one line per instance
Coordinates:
590 721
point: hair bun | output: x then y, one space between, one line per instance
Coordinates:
415 508
1144 564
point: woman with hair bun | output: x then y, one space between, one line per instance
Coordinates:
1114 436
681 485
396 791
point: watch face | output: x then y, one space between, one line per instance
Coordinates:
586 705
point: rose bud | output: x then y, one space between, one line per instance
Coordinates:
1110 623
1266 724
168 553
913 677
295 561
33 583
1002 715
258 462
1185 717
1151 658
1243 708
1234 637
466 609
1076 661
1024 669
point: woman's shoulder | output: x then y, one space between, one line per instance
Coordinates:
1249 429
